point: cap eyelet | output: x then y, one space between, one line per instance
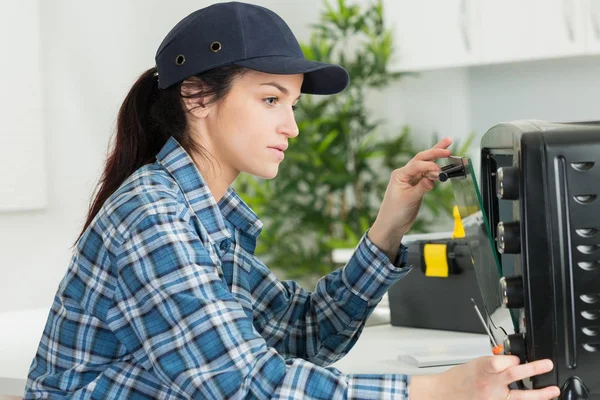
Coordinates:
180 59
215 46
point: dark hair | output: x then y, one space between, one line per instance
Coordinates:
148 117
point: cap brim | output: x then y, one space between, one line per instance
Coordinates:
319 78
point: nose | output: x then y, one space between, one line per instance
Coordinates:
288 126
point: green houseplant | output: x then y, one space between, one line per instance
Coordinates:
328 190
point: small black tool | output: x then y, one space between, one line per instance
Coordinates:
452 171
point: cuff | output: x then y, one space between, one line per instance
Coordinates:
386 386
369 273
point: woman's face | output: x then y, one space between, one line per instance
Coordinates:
244 130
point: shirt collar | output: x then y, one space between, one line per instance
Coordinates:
239 213
182 168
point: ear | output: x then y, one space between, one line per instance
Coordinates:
193 103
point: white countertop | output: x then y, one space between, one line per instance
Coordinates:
387 349
378 350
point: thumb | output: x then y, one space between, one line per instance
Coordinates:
426 184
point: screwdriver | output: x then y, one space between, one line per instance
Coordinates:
498 348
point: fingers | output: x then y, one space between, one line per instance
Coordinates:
439 150
523 371
427 184
432 175
511 371
423 166
546 393
432 154
500 363
443 144
416 170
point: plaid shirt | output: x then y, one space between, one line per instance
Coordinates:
164 299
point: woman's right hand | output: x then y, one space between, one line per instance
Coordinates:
485 378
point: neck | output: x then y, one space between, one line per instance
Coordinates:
217 178
217 175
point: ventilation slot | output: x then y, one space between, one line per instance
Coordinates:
591 315
589 265
587 232
582 166
588 248
592 347
590 298
591 330
585 198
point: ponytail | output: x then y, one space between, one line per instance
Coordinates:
148 117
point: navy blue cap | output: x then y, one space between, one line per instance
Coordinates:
243 34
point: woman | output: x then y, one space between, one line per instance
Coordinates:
164 297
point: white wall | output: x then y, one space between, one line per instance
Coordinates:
91 53
432 102
555 90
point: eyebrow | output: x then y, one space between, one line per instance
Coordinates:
278 86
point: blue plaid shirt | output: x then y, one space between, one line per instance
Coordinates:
164 299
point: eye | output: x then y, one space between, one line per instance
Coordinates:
270 100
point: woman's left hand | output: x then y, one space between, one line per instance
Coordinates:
404 195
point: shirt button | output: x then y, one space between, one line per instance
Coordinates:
225 244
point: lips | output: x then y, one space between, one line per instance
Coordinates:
278 151
280 147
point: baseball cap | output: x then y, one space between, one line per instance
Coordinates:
241 34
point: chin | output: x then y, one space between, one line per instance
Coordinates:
270 174
267 172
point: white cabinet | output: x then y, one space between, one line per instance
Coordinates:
515 30
506 30
559 28
431 34
592 26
